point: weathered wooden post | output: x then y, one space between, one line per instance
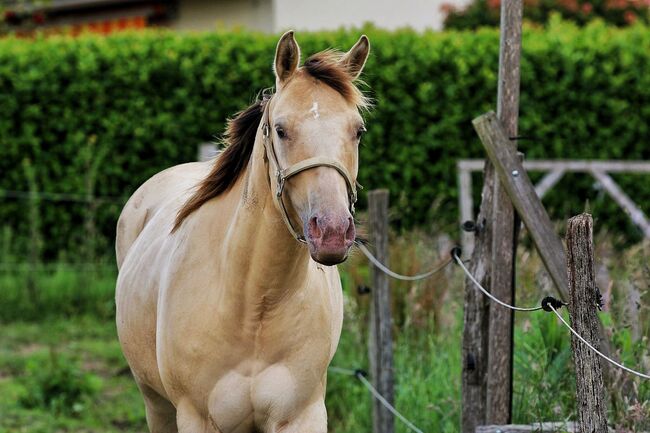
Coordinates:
380 346
504 239
487 337
584 297
206 151
522 193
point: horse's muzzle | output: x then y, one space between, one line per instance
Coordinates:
330 237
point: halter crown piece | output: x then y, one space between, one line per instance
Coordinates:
282 175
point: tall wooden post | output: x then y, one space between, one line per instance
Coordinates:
475 317
584 297
381 343
487 338
504 240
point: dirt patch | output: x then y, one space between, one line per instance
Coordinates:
31 348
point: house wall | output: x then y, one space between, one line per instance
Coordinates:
210 14
280 15
331 14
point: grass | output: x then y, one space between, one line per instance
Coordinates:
37 293
61 368
84 346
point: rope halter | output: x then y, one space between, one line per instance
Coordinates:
282 175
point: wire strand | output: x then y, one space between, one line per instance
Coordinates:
59 196
611 361
386 404
488 294
375 394
395 275
340 370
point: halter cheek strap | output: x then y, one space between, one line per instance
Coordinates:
282 175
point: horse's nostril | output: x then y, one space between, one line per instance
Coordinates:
350 233
314 229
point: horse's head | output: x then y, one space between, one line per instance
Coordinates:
314 127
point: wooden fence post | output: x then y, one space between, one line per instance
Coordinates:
380 345
475 317
584 298
206 151
487 337
466 205
505 227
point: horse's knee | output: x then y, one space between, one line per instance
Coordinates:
312 419
160 413
189 420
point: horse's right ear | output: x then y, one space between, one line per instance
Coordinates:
287 57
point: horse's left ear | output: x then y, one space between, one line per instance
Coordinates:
355 59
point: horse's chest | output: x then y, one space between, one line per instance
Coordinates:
268 398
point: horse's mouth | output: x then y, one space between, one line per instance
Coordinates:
329 258
329 251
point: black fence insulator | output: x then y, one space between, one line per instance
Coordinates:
469 226
550 301
600 302
455 252
359 372
363 290
470 362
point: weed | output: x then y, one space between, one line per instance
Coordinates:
58 384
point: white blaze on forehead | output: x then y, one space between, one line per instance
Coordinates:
314 110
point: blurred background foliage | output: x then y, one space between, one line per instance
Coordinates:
96 116
93 117
478 13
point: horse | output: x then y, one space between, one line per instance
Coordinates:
228 300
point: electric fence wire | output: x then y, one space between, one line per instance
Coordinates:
395 275
599 353
548 306
485 292
361 376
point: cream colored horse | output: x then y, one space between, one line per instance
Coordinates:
228 310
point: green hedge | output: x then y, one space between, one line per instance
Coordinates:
101 114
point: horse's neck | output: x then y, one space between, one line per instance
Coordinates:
273 264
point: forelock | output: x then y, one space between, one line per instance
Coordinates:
326 67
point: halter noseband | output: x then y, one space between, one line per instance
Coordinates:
282 175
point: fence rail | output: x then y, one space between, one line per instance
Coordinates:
584 333
555 170
60 196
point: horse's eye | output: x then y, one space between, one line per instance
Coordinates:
280 132
360 132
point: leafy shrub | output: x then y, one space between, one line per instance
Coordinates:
33 293
97 116
58 384
486 12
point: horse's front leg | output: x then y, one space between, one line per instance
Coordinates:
189 419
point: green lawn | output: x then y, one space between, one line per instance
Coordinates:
69 375
61 368
66 375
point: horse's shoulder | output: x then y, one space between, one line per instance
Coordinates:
166 189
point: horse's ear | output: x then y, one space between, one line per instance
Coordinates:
355 59
287 57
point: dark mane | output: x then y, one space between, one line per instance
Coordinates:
239 139
327 67
241 130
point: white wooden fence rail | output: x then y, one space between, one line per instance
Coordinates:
555 170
